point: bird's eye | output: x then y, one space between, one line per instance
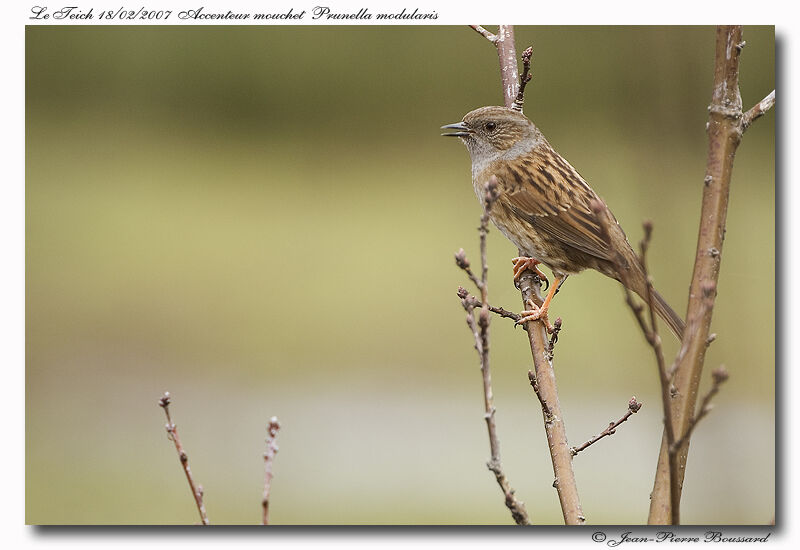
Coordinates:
490 126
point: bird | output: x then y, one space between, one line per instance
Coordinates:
547 209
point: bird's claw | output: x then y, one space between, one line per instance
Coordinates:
523 263
544 279
534 313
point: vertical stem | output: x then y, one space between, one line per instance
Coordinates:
269 458
517 508
507 54
544 379
481 336
724 133
546 390
172 432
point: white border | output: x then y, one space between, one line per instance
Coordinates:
16 535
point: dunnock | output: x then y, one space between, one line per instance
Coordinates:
547 209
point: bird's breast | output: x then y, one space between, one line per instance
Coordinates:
522 233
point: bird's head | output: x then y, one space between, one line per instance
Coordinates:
490 132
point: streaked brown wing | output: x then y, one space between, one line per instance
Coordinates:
550 195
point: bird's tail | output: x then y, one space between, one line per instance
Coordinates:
672 319
635 279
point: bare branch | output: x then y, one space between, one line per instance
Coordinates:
655 339
543 379
709 291
726 124
480 333
524 79
507 55
548 415
551 347
650 332
633 408
652 335
269 458
172 434
463 263
758 110
486 34
474 302
718 377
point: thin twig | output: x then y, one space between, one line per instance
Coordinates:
463 263
655 338
652 337
758 110
269 458
551 346
475 302
709 291
650 331
480 333
172 434
484 33
524 79
633 408
718 377
490 196
545 407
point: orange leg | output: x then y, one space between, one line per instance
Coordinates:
522 263
535 312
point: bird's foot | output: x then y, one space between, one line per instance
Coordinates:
523 263
535 313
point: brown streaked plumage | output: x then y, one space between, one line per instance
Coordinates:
545 206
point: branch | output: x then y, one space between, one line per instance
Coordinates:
548 415
718 376
474 302
463 263
758 110
484 33
269 458
709 291
507 55
172 434
524 79
480 333
633 408
726 124
551 347
543 378
650 332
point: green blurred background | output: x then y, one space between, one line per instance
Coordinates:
262 220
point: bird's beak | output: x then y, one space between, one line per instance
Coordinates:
463 131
